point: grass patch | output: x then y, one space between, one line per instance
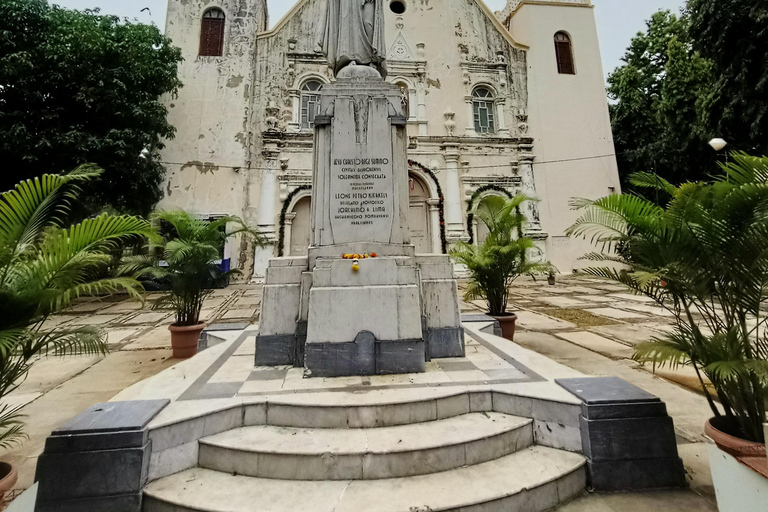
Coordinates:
578 317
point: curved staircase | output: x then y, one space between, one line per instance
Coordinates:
390 459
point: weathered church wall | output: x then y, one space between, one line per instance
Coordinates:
241 148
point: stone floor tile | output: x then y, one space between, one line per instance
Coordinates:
468 376
537 322
100 320
149 318
235 369
632 297
260 386
563 302
598 344
615 313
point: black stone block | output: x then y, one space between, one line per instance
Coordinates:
606 390
95 441
625 410
365 356
66 476
113 417
442 343
393 357
99 460
626 435
276 350
118 503
631 475
628 438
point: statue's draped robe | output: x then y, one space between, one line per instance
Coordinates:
354 31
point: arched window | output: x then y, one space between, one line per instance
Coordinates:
310 102
212 33
484 110
564 53
405 98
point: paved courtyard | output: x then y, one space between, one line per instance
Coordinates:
584 324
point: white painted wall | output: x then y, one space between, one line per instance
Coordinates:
568 117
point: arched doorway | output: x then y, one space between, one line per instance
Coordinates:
300 227
419 223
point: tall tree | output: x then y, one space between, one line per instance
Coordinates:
79 87
657 95
733 34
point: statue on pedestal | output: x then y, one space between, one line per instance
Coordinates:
354 35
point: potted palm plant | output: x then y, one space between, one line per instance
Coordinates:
44 266
500 259
189 250
703 257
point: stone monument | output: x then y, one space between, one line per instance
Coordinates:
389 310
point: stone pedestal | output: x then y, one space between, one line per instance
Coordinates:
99 460
397 310
626 435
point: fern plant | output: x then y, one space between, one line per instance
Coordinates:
703 257
44 266
502 257
189 249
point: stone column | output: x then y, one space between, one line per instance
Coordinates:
295 95
434 219
500 115
287 233
525 169
454 220
470 132
266 217
421 94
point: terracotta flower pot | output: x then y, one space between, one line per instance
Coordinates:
731 444
184 339
507 324
8 478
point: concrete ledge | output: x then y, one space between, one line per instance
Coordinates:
99 460
626 435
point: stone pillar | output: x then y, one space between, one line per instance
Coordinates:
421 93
500 115
266 217
99 460
295 95
525 169
454 220
287 233
434 219
470 132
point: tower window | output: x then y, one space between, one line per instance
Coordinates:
564 53
310 102
484 110
212 33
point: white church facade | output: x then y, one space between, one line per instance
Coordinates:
497 104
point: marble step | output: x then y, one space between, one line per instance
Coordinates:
369 453
531 480
380 409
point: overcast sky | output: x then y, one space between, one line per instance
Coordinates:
617 20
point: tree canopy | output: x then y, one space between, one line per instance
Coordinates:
688 79
79 87
658 96
733 35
